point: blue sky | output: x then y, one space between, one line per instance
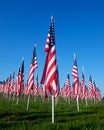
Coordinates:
79 28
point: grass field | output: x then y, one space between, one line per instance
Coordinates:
38 117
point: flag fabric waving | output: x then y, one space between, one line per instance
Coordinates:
67 86
90 87
49 77
75 75
33 67
36 86
83 90
18 82
57 93
22 76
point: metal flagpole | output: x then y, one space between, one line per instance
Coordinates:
28 101
77 102
53 108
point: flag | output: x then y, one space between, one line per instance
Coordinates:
9 85
20 79
90 87
86 92
11 82
33 67
18 82
62 91
22 76
83 85
14 85
36 86
50 75
98 94
57 93
94 89
75 75
41 90
67 86
34 60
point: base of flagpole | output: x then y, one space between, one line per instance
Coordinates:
77 102
17 100
86 101
52 108
28 101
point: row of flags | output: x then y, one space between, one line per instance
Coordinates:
91 91
50 77
83 92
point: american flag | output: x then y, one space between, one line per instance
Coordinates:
41 90
36 86
90 87
83 85
9 85
14 84
11 82
62 91
20 79
86 92
22 76
33 67
18 82
75 75
57 93
94 89
98 94
49 77
67 86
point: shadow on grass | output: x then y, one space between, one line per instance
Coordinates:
12 120
26 116
5 125
64 117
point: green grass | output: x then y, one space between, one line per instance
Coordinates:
38 117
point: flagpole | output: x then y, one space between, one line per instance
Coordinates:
42 94
52 108
17 100
77 102
28 100
9 97
86 101
13 96
69 100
